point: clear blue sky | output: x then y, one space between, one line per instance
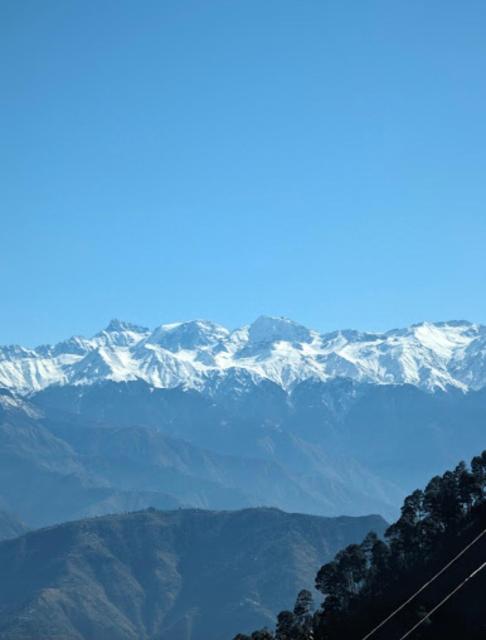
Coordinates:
168 160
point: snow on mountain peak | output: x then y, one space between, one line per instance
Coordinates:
121 334
188 335
195 354
269 329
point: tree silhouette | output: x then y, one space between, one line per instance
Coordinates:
364 582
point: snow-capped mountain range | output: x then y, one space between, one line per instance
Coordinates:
201 354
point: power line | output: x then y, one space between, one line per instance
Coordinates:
444 600
424 586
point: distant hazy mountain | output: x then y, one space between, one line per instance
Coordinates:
10 526
355 447
202 354
56 465
180 575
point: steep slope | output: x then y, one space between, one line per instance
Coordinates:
201 354
181 575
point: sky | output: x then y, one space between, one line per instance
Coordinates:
165 161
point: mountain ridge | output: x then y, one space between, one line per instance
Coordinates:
199 354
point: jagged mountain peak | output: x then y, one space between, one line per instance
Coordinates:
116 326
121 334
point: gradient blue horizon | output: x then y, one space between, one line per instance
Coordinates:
165 161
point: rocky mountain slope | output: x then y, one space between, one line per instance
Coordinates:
180 575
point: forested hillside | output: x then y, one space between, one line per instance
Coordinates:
366 582
178 575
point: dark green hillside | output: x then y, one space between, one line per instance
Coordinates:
179 575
